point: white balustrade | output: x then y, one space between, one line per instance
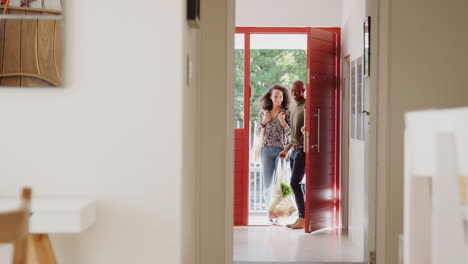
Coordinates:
435 202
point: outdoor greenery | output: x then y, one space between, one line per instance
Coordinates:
267 67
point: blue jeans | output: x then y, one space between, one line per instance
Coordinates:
297 163
270 157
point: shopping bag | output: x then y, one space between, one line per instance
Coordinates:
282 204
257 146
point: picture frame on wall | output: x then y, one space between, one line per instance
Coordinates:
367 36
359 99
352 98
193 13
31 41
357 120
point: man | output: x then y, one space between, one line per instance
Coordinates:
297 158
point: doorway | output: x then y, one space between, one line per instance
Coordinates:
265 56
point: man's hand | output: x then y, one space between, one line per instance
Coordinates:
303 130
283 154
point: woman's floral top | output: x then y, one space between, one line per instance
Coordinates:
275 133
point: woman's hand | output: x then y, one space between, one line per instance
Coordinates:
282 119
266 118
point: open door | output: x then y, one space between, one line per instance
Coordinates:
248 190
322 129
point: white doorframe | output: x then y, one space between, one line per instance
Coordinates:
216 86
379 10
345 142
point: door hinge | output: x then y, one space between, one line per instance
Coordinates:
372 257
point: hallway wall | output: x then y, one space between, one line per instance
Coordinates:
217 131
352 19
356 194
291 13
353 15
427 69
114 133
191 146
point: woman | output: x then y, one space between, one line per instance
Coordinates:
274 118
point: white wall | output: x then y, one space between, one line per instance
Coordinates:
288 13
217 131
353 15
191 146
114 132
356 193
273 41
352 40
427 69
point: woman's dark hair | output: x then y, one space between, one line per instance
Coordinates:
265 101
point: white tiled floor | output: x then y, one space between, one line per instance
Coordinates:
278 244
263 220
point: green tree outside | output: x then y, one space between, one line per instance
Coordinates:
267 67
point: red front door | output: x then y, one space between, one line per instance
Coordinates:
322 130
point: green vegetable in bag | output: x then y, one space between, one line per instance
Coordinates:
285 189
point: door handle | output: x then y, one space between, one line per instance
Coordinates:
317 146
306 133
